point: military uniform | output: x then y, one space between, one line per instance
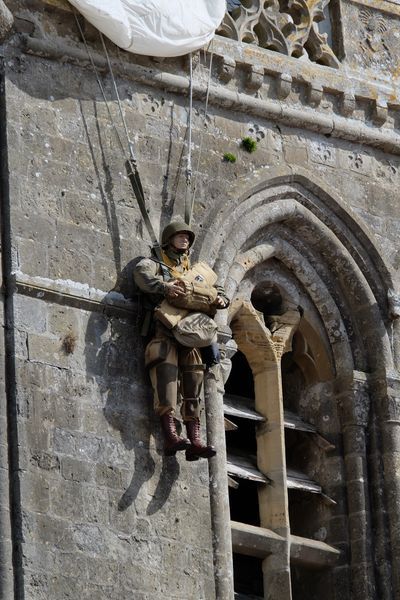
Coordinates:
169 362
176 371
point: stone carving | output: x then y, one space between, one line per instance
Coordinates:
374 46
289 27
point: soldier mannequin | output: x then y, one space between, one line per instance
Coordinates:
172 367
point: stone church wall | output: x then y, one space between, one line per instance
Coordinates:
96 510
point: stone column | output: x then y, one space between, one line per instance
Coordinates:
354 405
219 497
387 402
263 351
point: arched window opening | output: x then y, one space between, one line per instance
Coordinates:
241 441
275 454
241 456
247 579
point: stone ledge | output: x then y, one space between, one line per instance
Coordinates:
73 293
312 552
261 542
327 123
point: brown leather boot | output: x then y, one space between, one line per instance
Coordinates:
172 442
197 449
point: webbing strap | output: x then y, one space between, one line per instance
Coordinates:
134 178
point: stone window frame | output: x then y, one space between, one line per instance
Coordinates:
273 541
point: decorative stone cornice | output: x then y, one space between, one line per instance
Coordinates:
279 81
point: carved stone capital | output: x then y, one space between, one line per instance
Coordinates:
6 21
252 336
283 328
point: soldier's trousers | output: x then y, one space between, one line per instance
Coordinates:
174 370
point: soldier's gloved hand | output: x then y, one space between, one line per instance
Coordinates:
220 302
174 288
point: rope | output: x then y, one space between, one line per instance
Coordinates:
188 212
204 127
129 141
96 72
130 164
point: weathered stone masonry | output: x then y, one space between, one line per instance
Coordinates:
89 508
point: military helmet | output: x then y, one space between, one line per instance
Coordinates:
177 227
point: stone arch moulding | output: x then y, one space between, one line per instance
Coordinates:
306 226
306 230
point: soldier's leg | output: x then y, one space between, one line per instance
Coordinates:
191 380
161 358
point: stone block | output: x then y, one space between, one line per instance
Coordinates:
44 349
66 499
45 461
95 505
30 314
64 442
32 257
62 319
20 344
108 476
140 578
295 155
67 413
77 470
70 262
104 572
89 447
71 587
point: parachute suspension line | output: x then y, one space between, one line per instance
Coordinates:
129 141
130 163
204 125
188 211
96 72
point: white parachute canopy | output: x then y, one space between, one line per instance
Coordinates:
155 27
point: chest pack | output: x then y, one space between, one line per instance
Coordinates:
189 317
200 293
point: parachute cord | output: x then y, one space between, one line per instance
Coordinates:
204 126
188 211
131 165
129 141
96 72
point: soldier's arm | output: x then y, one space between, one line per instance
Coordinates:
222 300
150 281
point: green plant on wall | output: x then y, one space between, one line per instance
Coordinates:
249 144
229 157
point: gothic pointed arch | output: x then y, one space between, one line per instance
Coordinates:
308 228
287 246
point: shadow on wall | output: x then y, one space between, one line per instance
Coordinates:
114 352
